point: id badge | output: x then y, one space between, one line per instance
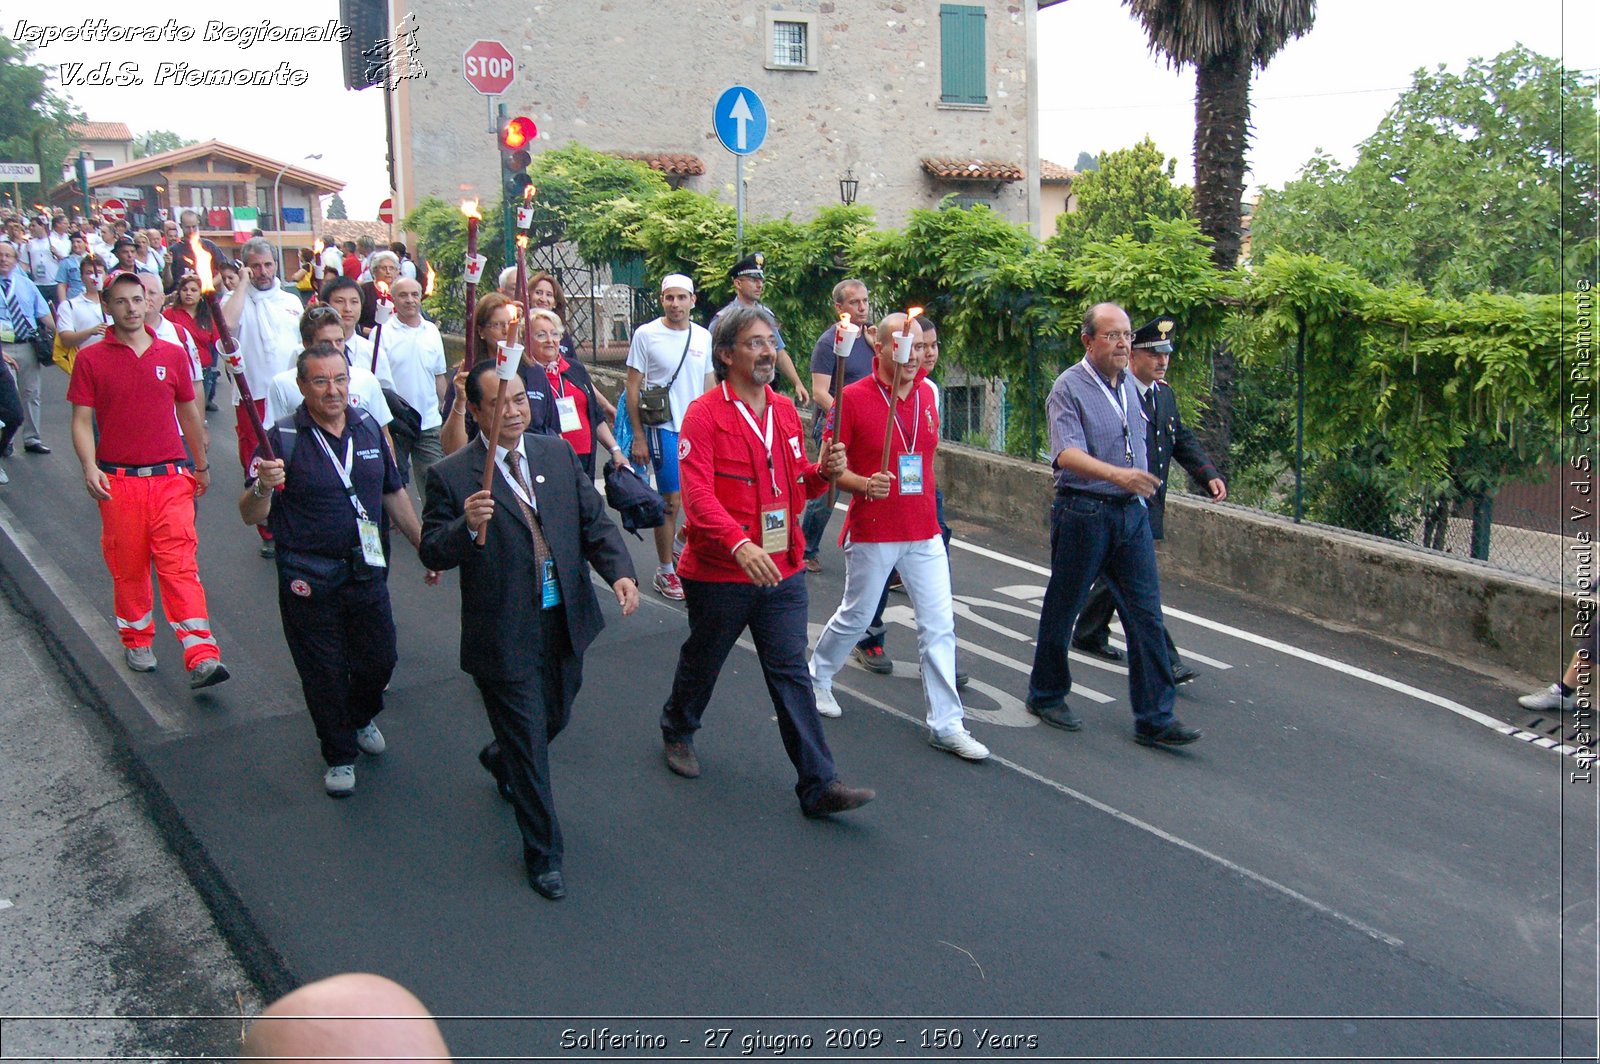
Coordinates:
775 530
8 332
371 543
550 588
567 407
911 474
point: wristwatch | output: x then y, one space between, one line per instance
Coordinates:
255 489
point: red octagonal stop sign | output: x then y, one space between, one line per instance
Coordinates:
488 67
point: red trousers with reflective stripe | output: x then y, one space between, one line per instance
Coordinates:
245 432
151 519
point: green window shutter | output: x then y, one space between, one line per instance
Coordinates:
961 47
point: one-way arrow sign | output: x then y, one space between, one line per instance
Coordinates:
740 120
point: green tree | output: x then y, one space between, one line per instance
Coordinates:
1131 187
1478 181
35 121
571 181
336 209
157 141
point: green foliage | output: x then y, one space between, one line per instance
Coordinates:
1131 186
573 180
441 231
35 121
336 209
1479 181
157 141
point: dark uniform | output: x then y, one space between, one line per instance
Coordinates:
752 265
1166 438
335 608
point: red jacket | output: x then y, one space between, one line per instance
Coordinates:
722 468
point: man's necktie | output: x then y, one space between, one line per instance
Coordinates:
1148 401
541 546
19 321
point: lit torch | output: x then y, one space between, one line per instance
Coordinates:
230 348
474 270
427 289
902 355
844 342
508 357
382 311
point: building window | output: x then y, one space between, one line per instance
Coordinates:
961 54
791 38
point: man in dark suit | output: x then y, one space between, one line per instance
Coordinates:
528 610
1166 438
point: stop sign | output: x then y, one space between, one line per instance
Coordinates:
488 67
113 210
386 211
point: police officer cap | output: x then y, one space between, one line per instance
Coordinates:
123 242
749 266
1156 335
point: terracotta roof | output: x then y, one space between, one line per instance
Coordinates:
101 131
972 170
1055 173
112 175
673 164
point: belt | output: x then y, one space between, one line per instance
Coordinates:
167 469
1115 500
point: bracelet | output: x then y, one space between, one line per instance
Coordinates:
207 469
255 489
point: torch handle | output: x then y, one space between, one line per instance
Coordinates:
492 435
230 346
472 332
377 338
888 425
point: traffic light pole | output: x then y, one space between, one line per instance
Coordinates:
508 216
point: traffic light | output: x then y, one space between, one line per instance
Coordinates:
515 136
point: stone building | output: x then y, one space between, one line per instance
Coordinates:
917 99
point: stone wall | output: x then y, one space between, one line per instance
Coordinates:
634 76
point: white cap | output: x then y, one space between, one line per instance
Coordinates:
678 280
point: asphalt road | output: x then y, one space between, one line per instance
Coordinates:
1346 866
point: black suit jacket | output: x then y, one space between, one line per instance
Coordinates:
1167 438
500 614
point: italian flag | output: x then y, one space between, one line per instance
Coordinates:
245 221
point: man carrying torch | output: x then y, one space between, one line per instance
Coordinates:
890 428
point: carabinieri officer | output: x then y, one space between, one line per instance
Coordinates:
336 475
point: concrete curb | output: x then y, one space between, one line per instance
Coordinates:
82 645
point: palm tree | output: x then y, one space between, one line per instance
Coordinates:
1223 39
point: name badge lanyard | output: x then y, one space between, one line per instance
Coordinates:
766 441
916 420
1122 412
344 470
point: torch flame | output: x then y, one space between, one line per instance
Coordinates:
383 289
527 194
202 264
317 247
913 312
515 309
522 240
470 209
428 289
844 319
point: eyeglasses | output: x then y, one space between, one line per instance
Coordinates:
544 337
759 343
342 381
1116 336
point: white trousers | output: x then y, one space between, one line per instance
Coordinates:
925 570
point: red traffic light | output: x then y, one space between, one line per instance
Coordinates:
518 133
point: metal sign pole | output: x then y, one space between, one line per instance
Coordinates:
738 192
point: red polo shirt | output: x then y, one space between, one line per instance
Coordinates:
134 398
900 518
728 484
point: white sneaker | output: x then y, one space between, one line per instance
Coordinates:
340 781
961 743
1550 699
141 659
3 478
827 705
370 739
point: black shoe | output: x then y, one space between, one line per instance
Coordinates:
36 447
548 884
268 550
961 679
897 585
1182 674
1098 650
873 659
838 798
682 760
1175 734
489 758
1057 716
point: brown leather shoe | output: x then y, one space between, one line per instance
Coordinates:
682 760
838 798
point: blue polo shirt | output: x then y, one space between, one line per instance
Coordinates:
312 513
1098 416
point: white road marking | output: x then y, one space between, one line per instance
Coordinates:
1305 655
1145 826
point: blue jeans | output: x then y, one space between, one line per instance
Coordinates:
1091 537
719 611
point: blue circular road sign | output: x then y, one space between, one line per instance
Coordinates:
740 120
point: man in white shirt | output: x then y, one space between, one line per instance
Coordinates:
671 351
81 319
265 321
331 260
41 259
415 353
284 396
344 295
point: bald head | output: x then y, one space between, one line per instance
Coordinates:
407 296
354 1017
